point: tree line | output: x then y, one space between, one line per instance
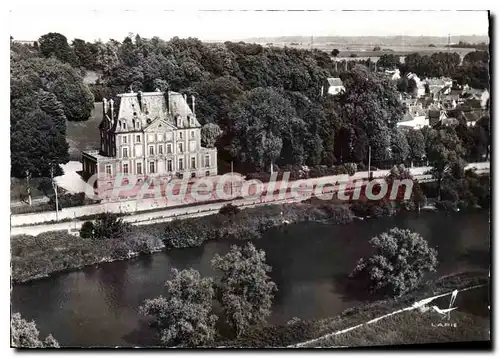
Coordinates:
262 106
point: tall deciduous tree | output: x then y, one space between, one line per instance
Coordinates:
37 132
399 263
416 144
56 45
400 149
209 134
24 334
245 291
445 154
60 79
371 103
388 61
184 316
262 120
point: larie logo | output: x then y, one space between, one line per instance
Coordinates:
445 313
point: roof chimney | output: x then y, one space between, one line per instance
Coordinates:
192 102
112 116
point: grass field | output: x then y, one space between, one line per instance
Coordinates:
365 51
84 135
469 322
18 188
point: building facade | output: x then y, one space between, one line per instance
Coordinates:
150 134
332 86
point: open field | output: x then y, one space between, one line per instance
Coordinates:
469 322
84 135
363 52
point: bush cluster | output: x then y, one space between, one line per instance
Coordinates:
249 223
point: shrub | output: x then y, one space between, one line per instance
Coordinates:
372 208
340 170
229 210
449 194
351 168
339 214
109 226
87 230
446 205
399 263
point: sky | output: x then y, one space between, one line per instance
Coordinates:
90 25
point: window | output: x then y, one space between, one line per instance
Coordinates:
207 173
124 125
125 152
139 168
125 168
193 163
151 150
160 149
169 148
192 134
169 165
207 161
181 147
180 135
193 175
151 167
124 139
181 164
108 170
138 138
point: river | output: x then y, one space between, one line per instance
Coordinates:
98 306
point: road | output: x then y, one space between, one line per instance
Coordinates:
168 214
165 211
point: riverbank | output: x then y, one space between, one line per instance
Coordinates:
405 328
34 257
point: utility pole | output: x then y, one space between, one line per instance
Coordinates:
28 188
449 42
232 179
54 185
369 161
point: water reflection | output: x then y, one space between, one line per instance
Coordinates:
99 306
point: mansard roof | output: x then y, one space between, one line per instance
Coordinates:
136 111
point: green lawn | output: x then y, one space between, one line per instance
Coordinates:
80 136
84 135
18 188
469 322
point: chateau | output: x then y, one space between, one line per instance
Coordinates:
149 134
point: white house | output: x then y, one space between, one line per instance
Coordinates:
334 86
415 118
